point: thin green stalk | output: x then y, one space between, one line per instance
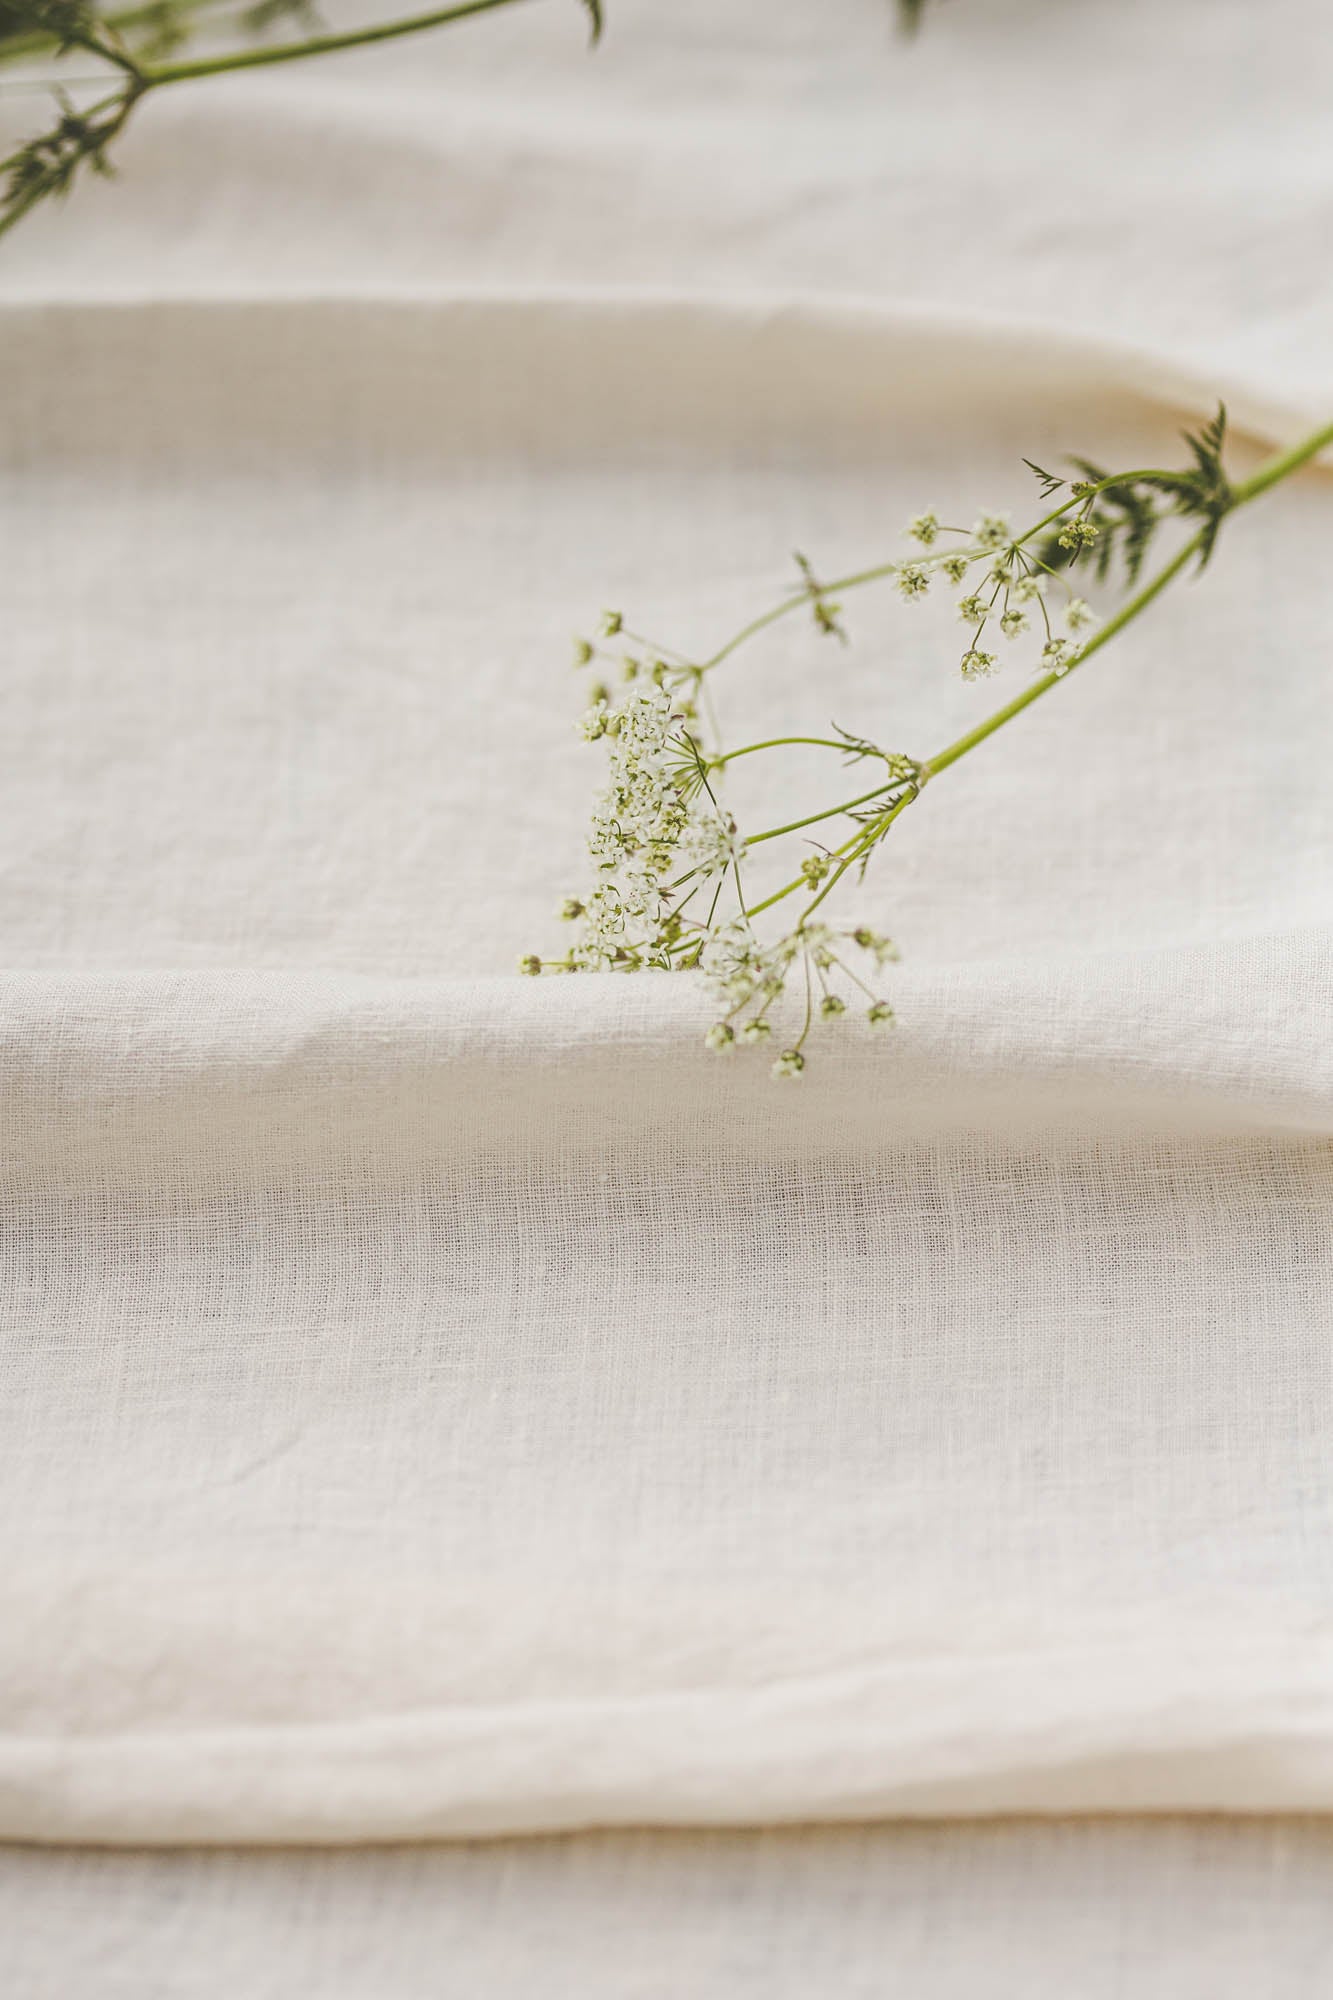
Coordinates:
795 603
1285 462
775 743
870 834
831 812
315 45
46 165
849 851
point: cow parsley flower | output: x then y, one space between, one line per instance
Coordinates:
991 531
595 719
882 949
676 885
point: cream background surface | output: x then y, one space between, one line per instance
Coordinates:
439 1405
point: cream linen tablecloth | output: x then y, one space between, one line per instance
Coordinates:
439 1404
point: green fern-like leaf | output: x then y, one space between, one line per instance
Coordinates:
1127 513
1047 481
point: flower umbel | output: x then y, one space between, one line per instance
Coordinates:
677 885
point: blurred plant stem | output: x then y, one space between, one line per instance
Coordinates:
134 45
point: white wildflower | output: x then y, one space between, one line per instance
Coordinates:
923 528
712 845
991 531
882 949
975 666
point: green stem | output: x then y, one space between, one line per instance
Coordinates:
831 812
868 837
317 45
1278 468
794 603
775 743
850 848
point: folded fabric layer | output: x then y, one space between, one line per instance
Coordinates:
786 149
438 1403
494 1412
158 1074
346 739
1202 1909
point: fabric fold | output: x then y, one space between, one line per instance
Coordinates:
437 1403
162 1072
1171 1727
571 1427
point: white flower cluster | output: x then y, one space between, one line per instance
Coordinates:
748 978
1011 593
654 823
670 891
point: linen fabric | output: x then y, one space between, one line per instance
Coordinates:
438 1405
447 1405
1173 1910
